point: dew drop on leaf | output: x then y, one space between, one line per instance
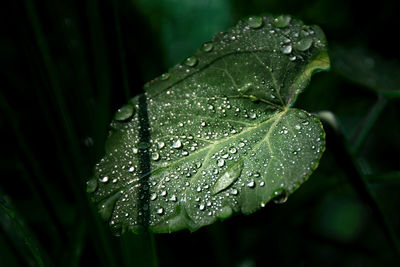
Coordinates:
177 144
207 47
155 156
191 61
280 196
124 113
233 150
104 179
165 76
303 44
287 49
228 178
251 184
91 185
161 145
255 22
160 211
224 212
106 208
221 163
282 21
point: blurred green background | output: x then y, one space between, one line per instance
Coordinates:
66 67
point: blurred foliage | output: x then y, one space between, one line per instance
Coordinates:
66 66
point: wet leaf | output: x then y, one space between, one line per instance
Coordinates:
217 135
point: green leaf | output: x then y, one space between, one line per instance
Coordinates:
368 69
217 134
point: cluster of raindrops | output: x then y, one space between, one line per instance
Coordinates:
207 152
287 37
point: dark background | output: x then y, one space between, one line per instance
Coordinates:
66 67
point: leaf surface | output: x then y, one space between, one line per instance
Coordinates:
216 135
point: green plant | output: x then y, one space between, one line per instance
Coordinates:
217 134
67 66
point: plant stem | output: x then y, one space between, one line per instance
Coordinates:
346 159
367 124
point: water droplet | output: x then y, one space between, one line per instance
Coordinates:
287 49
262 183
301 114
155 156
221 163
131 169
185 153
177 144
233 150
234 191
153 196
104 179
280 196
107 207
191 61
207 47
282 21
165 76
255 22
225 212
161 145
160 211
297 127
91 185
125 112
173 198
303 44
228 178
203 123
163 193
251 184
202 207
135 150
